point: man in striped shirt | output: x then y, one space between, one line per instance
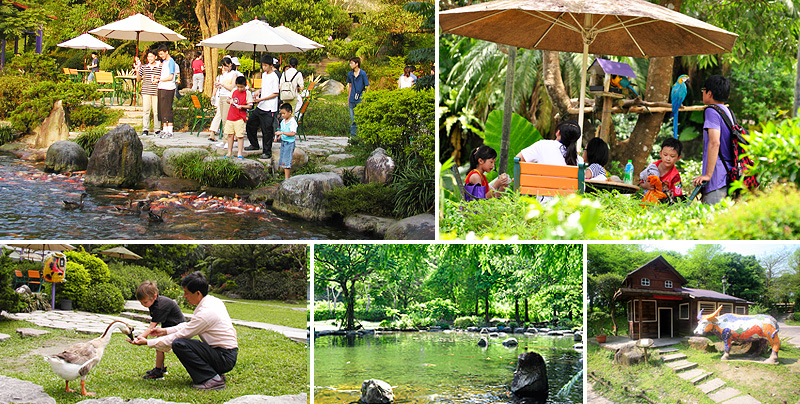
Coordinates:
147 73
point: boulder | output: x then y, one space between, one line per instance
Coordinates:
64 156
357 170
754 347
23 290
483 342
116 160
700 343
473 329
577 346
335 158
256 399
169 154
510 342
628 355
51 130
369 224
530 378
494 335
532 330
577 338
171 184
304 195
264 194
420 227
374 391
19 391
331 87
519 330
299 159
254 173
30 154
151 165
379 167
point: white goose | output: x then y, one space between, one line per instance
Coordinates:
79 359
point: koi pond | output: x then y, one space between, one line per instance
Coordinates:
437 367
32 209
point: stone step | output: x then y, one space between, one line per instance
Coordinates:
694 374
667 350
129 121
724 395
136 316
700 378
711 385
673 357
745 399
681 365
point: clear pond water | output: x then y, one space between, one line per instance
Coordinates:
31 209
437 367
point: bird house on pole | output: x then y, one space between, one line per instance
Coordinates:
608 68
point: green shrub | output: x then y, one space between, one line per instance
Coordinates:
221 173
513 324
42 67
400 121
120 61
98 270
338 71
81 116
767 216
88 139
12 93
774 151
127 279
6 134
373 199
468 321
9 299
383 74
182 108
327 116
76 282
322 311
343 49
764 89
439 309
796 316
349 178
273 285
415 191
34 301
39 99
102 298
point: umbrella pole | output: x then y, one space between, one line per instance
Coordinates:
582 95
137 44
505 137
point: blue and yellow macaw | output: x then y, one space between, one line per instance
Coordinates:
622 82
678 95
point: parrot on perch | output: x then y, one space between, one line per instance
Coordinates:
678 95
623 83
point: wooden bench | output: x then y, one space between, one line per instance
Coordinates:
548 180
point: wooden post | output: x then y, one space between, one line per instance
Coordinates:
605 120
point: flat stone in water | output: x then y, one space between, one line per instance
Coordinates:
20 391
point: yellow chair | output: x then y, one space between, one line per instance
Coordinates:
201 114
106 85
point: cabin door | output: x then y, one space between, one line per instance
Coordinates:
665 322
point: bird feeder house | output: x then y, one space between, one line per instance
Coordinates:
55 266
606 68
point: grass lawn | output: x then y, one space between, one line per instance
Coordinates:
767 383
268 364
265 311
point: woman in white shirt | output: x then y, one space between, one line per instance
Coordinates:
226 84
407 79
562 151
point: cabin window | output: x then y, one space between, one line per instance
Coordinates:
726 308
740 310
645 282
668 284
706 307
630 310
683 311
649 311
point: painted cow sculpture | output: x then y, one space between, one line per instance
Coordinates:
740 327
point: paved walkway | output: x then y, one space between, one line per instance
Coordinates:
790 334
93 323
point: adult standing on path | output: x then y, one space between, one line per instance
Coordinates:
94 66
166 90
293 76
207 359
149 73
226 83
263 115
357 83
198 70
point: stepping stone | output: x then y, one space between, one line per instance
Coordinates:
673 357
725 394
667 350
700 378
745 399
681 365
19 391
31 332
4 337
711 385
694 375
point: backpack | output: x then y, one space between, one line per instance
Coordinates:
741 162
288 90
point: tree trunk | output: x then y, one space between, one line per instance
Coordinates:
477 301
486 307
349 298
505 139
527 318
797 83
613 319
207 12
553 83
516 310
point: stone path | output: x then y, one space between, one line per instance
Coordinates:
713 388
790 334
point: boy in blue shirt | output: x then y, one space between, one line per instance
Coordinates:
357 83
287 132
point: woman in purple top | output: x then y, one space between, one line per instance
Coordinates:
716 142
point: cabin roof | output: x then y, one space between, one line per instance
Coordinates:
658 262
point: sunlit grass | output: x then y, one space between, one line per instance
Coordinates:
268 364
264 311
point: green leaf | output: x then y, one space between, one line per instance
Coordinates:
697 116
688 133
523 134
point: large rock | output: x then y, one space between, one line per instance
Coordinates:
374 391
700 343
335 158
331 87
116 160
628 355
151 165
304 195
483 342
64 156
510 342
19 391
379 167
254 173
171 184
254 399
530 378
117 400
420 227
299 159
358 171
369 224
169 154
51 130
264 194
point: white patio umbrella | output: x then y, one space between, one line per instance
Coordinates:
301 41
85 41
254 36
121 252
137 28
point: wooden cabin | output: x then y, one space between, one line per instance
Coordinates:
659 306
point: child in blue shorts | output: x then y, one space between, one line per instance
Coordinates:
287 133
164 311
